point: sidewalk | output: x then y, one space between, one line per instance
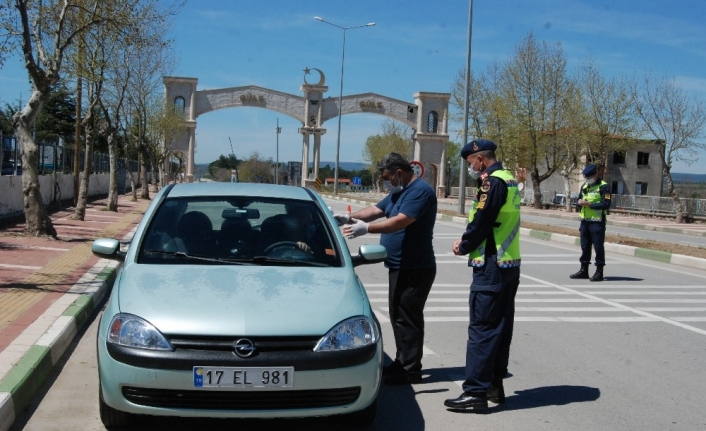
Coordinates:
48 289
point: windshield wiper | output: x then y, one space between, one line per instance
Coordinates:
182 255
264 260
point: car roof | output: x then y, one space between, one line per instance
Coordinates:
240 189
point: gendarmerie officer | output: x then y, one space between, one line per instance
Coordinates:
492 241
593 205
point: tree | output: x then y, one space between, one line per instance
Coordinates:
392 140
220 170
58 116
535 86
675 121
43 32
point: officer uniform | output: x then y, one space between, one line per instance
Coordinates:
492 240
593 223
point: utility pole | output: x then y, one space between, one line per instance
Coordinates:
279 130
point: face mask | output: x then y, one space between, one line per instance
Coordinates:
591 180
473 174
393 189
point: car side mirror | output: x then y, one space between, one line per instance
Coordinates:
369 253
108 248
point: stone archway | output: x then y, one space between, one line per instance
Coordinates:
428 116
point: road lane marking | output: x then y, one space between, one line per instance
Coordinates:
31 268
619 305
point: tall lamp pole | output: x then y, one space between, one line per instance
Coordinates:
279 130
340 95
461 171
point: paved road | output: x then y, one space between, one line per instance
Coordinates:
623 354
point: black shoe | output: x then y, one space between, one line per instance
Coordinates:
582 273
467 401
391 369
496 393
598 275
403 377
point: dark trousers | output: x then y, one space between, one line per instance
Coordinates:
409 289
492 317
592 236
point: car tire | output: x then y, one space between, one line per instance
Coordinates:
365 417
111 417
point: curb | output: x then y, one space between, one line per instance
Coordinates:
643 253
24 379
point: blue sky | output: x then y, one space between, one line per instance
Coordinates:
415 46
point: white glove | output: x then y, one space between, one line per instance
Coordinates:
342 218
357 229
303 247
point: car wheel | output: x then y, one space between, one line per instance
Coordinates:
364 417
111 417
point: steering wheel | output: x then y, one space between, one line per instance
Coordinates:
290 244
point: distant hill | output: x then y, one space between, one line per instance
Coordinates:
348 166
688 178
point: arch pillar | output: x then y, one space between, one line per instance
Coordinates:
431 138
185 88
313 119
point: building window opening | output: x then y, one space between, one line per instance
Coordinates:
643 159
640 188
619 158
433 122
179 105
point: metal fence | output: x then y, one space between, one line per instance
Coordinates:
654 205
57 158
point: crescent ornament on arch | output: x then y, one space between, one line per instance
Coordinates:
322 77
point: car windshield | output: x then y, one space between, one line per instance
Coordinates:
243 231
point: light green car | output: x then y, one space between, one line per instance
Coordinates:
237 301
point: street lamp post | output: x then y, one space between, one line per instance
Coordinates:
278 131
340 95
462 163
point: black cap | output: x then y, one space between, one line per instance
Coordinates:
477 145
590 170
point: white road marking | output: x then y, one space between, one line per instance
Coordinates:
35 247
32 268
619 305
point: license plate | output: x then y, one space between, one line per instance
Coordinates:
245 377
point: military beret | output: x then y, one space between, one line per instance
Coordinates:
477 145
590 170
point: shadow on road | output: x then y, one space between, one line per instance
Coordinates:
550 396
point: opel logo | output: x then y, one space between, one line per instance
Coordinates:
244 348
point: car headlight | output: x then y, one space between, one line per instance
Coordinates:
132 331
352 333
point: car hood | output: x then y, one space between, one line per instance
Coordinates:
240 300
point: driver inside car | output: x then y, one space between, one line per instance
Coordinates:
300 228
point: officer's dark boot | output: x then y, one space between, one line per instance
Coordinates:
598 275
583 272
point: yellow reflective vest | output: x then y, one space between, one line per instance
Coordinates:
592 194
507 230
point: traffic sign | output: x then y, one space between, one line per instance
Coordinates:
357 181
418 168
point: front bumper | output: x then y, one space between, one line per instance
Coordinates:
169 391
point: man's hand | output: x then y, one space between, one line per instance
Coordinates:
355 230
342 219
584 203
455 247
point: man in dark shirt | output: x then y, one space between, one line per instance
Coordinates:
407 234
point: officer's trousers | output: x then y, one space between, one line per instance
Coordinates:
592 235
409 289
492 317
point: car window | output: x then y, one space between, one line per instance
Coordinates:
219 230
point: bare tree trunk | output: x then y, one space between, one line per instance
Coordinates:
535 189
80 212
37 220
674 193
113 161
143 172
